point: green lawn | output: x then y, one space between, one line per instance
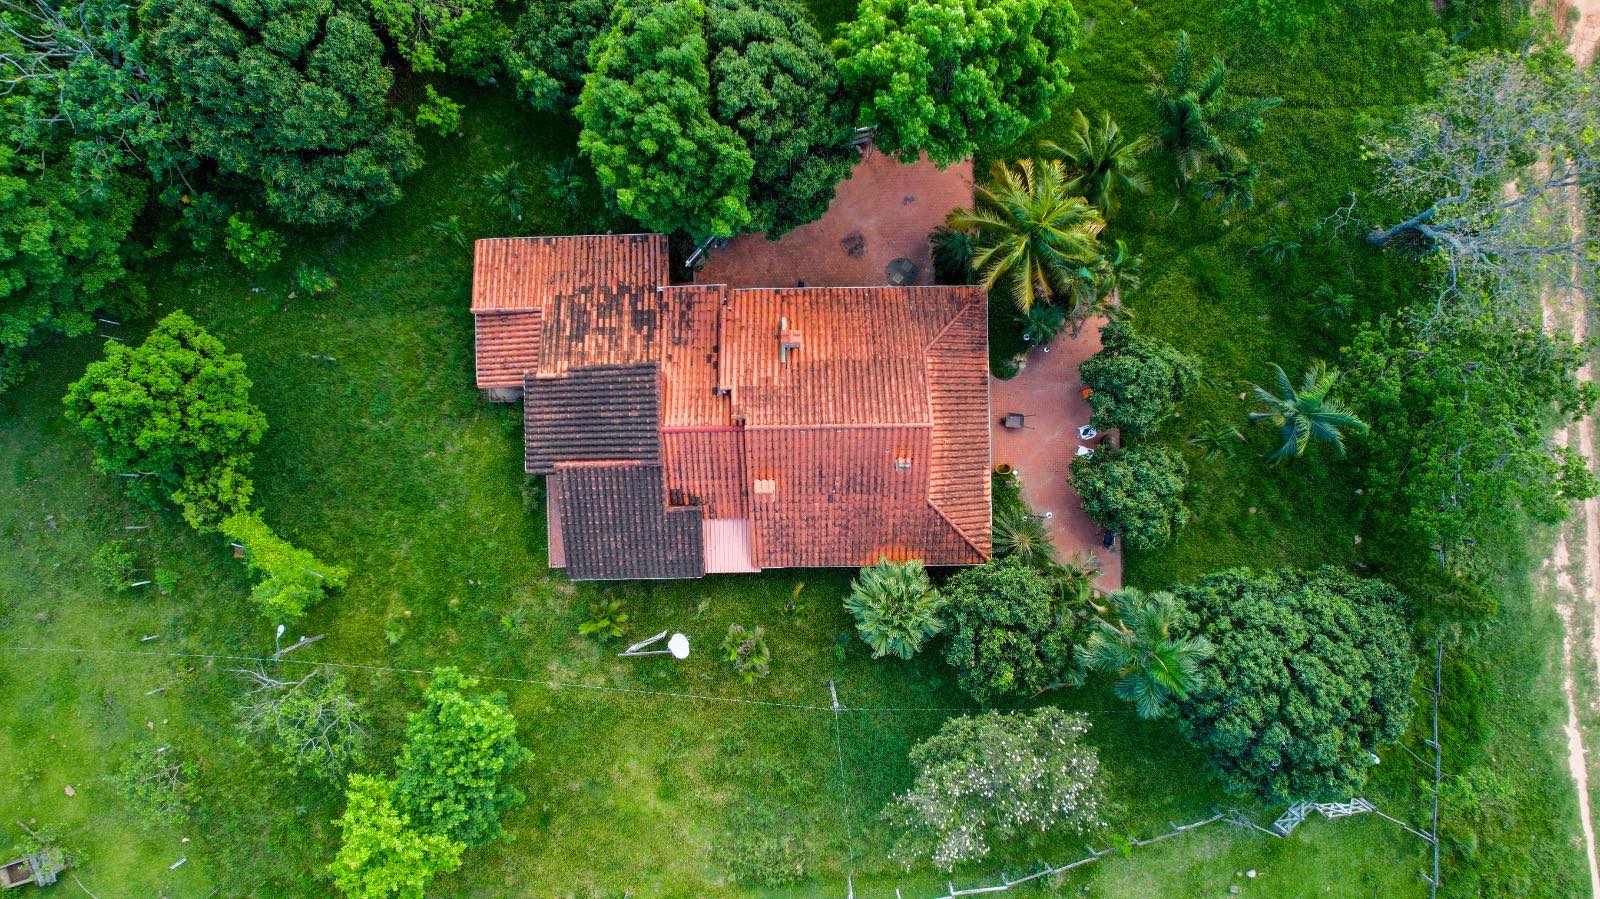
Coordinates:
385 461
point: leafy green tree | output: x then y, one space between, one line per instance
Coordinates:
1009 635
646 111
382 854
1312 674
1032 234
292 578
439 113
1200 124
1137 380
1136 492
287 97
1155 666
313 724
459 751
154 779
256 248
1460 424
462 37
1103 161
175 411
997 776
896 607
776 86
548 51
946 77
1307 412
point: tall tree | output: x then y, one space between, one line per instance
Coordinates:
1309 411
1009 635
1135 492
1500 121
948 76
1032 233
1102 159
462 37
1156 666
547 53
1136 380
1311 675
287 97
648 128
1200 124
176 412
459 750
776 85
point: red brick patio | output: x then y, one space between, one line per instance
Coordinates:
1049 394
884 212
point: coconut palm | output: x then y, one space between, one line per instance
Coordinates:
1308 412
1118 270
1031 230
1157 667
1018 533
896 607
1199 122
1102 160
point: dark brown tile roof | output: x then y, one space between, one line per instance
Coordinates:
602 413
705 468
615 526
507 347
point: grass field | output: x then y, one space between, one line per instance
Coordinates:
385 461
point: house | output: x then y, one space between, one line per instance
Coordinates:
685 430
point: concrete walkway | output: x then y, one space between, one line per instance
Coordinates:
1050 394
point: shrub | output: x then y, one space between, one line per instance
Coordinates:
745 651
1008 634
459 751
293 580
178 407
1135 492
606 619
382 854
314 280
1137 380
313 724
896 607
991 777
155 782
256 248
114 566
1312 672
1018 533
438 113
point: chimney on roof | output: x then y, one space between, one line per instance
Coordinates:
788 339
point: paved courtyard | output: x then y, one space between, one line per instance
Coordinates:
882 214
1049 395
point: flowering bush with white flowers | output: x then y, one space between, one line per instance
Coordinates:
994 777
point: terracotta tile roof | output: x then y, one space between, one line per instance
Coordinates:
526 272
602 413
958 386
691 323
615 526
507 347
846 496
860 360
705 468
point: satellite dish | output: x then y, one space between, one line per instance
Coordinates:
678 645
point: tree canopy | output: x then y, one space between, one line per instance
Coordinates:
1311 674
383 856
1136 492
459 750
287 97
462 37
1009 635
547 52
946 77
175 412
648 127
1137 380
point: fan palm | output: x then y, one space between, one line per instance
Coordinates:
1017 533
1031 230
1199 123
896 607
1311 411
1156 667
1103 160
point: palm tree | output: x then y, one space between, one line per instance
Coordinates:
1199 123
1031 230
1156 668
1018 533
1233 187
1307 412
1118 270
505 187
896 607
1102 159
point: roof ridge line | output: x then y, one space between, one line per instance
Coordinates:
956 527
837 426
